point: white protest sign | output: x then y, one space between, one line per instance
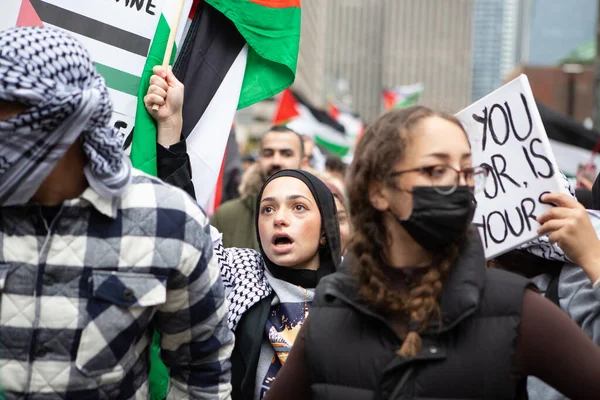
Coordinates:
117 35
124 124
507 136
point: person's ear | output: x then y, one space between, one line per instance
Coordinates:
378 196
323 240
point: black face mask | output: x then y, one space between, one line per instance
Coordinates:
438 220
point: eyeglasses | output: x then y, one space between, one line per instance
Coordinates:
445 179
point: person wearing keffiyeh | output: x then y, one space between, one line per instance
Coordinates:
271 290
94 254
65 100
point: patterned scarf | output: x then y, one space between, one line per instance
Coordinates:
51 74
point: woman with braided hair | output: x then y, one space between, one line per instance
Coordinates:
414 313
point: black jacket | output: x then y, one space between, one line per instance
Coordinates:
350 349
249 336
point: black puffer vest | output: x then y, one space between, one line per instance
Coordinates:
350 350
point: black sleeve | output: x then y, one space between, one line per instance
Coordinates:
553 348
174 166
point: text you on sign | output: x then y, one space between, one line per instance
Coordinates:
507 136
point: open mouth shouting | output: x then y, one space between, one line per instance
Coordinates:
282 243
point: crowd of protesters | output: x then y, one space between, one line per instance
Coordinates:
319 281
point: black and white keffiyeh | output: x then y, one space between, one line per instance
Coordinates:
243 274
51 74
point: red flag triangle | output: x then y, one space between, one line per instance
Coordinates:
334 111
28 16
287 109
389 99
193 9
277 3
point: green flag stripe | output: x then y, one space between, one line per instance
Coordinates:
409 101
273 37
143 147
257 23
159 374
335 149
143 157
119 80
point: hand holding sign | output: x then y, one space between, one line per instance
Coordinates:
569 226
508 137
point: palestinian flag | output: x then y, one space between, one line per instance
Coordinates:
348 118
402 96
302 117
351 122
212 66
236 53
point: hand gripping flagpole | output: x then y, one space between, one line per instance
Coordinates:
171 41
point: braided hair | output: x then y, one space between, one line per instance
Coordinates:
383 144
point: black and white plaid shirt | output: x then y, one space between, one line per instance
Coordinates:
82 294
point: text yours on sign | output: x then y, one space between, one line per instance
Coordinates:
508 137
